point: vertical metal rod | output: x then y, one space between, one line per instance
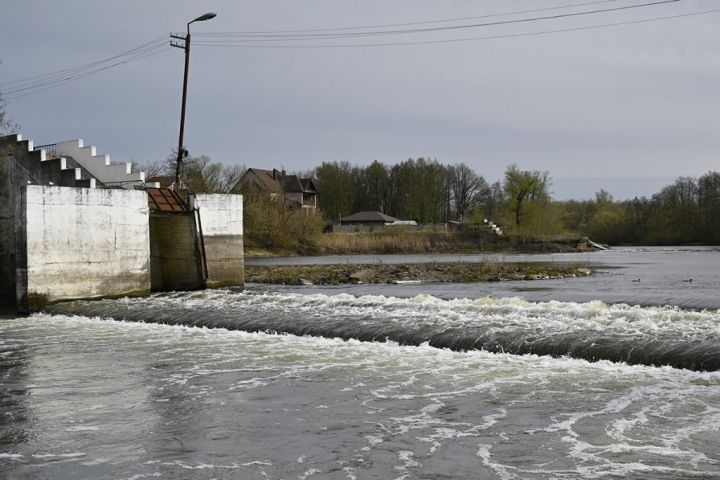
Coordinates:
181 147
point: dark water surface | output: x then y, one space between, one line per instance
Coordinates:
632 275
597 377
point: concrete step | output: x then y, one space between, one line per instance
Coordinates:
85 183
51 173
43 168
100 166
70 176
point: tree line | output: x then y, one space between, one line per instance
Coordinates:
430 192
417 189
685 212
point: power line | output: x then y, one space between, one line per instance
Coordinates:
405 24
38 83
59 80
314 36
48 84
70 70
464 39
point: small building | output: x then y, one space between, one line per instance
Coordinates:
374 221
370 219
297 192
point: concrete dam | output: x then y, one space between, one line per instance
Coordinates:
74 225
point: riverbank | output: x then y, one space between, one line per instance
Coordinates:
457 272
379 243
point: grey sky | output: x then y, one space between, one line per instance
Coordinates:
635 101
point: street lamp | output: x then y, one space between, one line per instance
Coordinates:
181 150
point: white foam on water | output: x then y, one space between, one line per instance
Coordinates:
503 471
59 455
145 475
82 428
638 412
308 473
495 314
11 456
407 458
206 466
375 352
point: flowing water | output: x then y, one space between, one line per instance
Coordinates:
508 380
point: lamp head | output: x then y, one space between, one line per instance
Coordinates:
207 16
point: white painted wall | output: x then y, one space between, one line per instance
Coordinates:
85 242
221 214
222 227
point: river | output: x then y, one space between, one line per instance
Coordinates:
616 375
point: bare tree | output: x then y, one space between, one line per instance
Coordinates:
467 188
7 123
151 169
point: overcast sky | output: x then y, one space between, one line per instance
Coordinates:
629 107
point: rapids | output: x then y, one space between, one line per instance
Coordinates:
616 375
592 331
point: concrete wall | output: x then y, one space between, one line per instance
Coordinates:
12 177
7 228
80 243
221 221
176 263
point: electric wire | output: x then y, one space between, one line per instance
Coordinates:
405 24
38 83
314 36
35 81
152 42
229 44
18 93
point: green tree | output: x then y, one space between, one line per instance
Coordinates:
372 184
336 189
526 192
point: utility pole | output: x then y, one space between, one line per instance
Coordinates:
181 152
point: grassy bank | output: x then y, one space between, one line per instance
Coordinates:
417 272
445 242
414 242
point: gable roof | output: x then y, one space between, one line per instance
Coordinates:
308 185
369 217
276 181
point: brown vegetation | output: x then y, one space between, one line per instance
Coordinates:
395 242
270 224
445 242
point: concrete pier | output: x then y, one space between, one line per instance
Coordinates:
80 243
221 224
